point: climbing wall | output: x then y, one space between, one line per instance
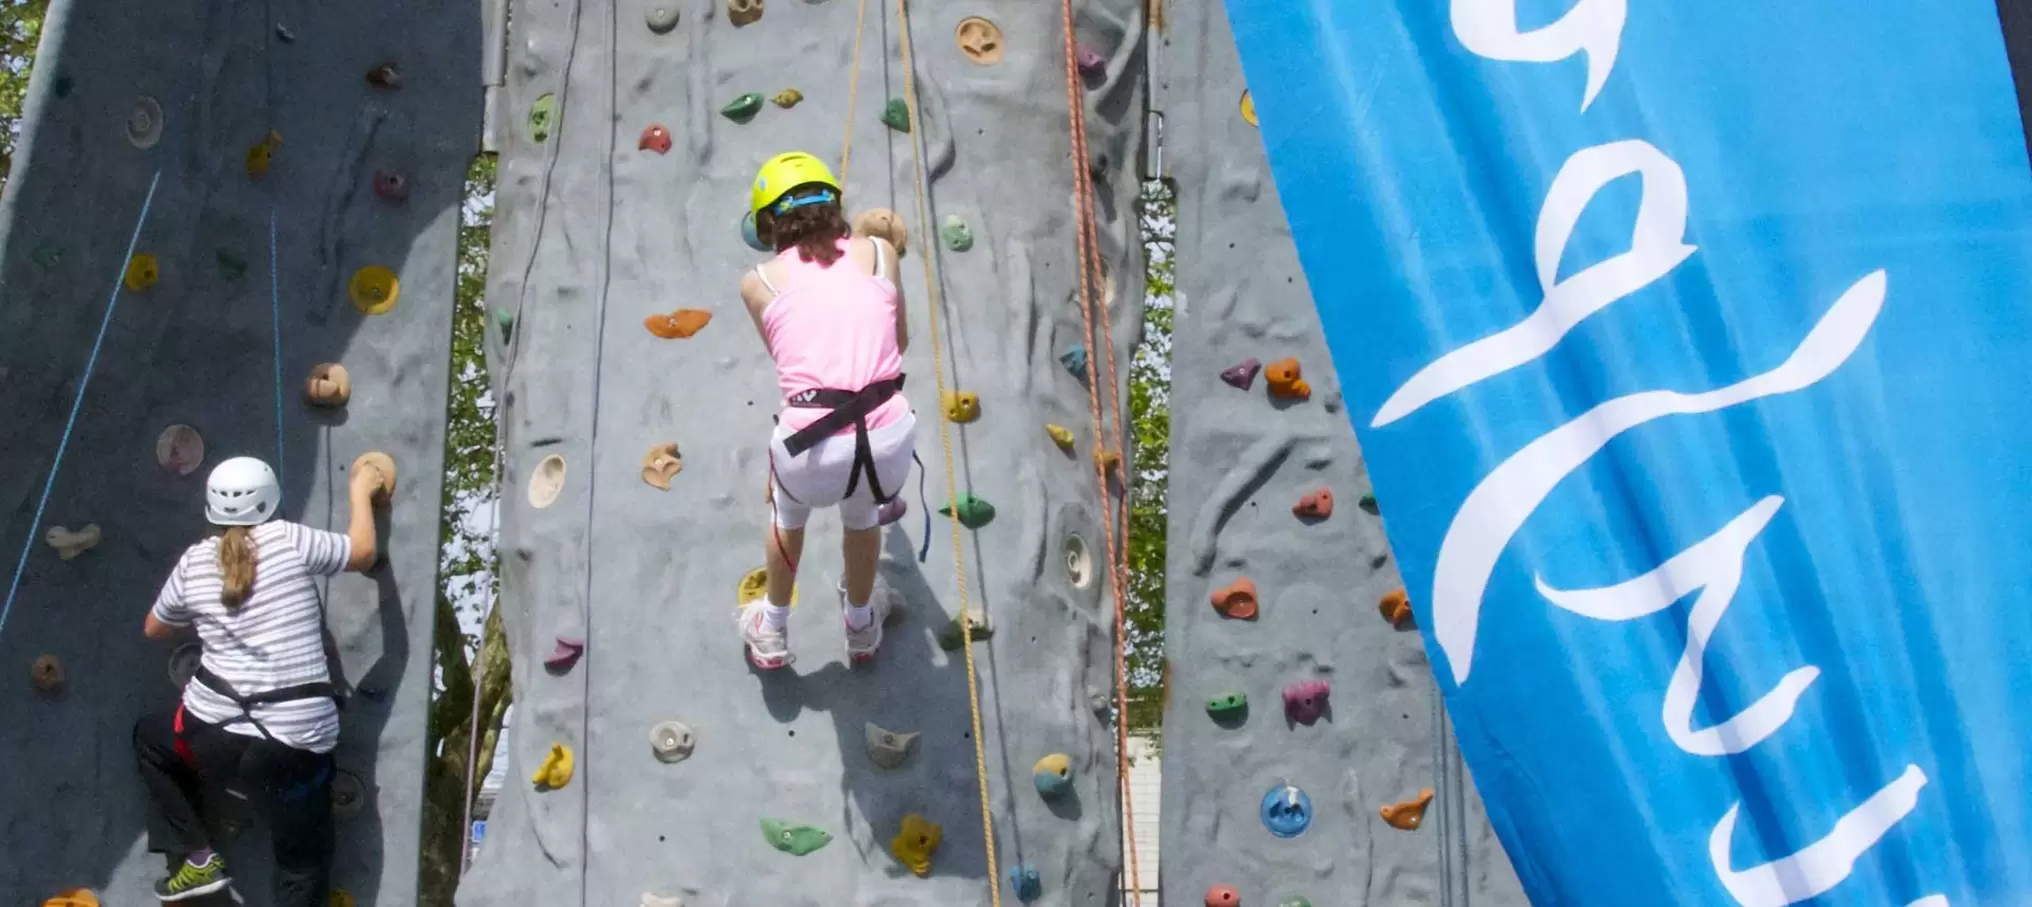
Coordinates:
1302 738
147 123
632 130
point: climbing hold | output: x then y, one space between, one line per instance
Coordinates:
678 324
796 840
743 108
1368 503
63 86
660 465
1315 506
348 794
886 748
1075 360
1242 374
385 76
1294 901
183 663
896 115
231 267
1079 565
46 675
1285 384
1053 776
70 544
1287 811
974 511
282 31
382 464
915 842
650 899
1028 884
1305 700
329 386
142 272
506 320
180 449
374 290
1060 435
755 584
654 138
891 511
1090 64
884 223
564 653
743 12
1228 707
662 19
1237 600
73 897
546 482
1107 460
144 122
556 770
787 98
961 406
1409 814
954 233
672 741
1396 608
951 638
1248 108
48 255
1223 896
391 186
541 115
340 898
980 40
263 153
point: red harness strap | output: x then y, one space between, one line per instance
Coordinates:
183 749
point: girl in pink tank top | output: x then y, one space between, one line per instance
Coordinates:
832 319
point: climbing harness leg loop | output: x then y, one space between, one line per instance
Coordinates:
846 408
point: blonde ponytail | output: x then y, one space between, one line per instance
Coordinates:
237 557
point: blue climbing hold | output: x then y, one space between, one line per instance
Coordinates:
1075 360
1053 775
1287 811
748 234
1029 886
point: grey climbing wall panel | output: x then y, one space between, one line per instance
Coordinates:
1241 460
196 348
594 234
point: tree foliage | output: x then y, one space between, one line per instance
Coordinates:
20 32
1150 416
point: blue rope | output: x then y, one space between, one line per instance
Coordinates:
275 308
91 362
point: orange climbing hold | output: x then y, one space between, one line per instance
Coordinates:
681 323
1237 600
884 223
263 154
1409 814
1315 506
75 897
1396 608
1285 384
46 675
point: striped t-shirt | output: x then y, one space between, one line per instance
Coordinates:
274 639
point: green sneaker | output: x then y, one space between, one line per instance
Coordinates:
194 881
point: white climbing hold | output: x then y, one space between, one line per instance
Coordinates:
661 900
672 741
144 122
70 544
348 794
546 482
1078 561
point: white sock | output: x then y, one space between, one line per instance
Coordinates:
860 616
775 617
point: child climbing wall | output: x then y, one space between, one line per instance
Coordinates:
649 764
223 234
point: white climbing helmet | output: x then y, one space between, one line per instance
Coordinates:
241 492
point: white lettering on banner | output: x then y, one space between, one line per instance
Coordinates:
1656 247
1819 866
1937 900
1593 27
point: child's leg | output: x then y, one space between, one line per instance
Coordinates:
862 550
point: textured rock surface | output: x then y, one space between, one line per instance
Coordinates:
593 235
1240 459
196 348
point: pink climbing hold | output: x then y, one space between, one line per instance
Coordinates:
1242 375
1090 63
391 185
893 511
1305 700
565 654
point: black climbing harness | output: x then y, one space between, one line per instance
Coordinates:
846 408
320 690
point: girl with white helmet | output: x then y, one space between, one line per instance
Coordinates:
831 316
261 714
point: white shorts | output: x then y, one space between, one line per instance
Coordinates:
818 478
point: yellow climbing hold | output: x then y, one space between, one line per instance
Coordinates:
756 584
1060 435
142 272
1248 108
75 897
915 843
962 406
342 898
556 771
788 98
374 289
262 154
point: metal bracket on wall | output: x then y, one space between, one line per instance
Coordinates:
493 71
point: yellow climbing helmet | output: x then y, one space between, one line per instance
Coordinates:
785 172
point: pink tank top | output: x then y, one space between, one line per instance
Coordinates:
832 327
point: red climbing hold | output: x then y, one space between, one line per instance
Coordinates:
1241 375
1315 506
655 138
565 654
385 76
1285 384
1305 700
1223 896
1237 601
391 185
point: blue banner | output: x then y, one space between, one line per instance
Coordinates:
1690 347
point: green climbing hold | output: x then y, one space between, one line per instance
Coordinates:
973 511
1368 502
743 108
796 840
896 115
1227 707
1294 902
231 267
506 320
954 233
48 255
542 115
953 637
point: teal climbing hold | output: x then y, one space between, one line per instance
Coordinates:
974 512
743 108
506 320
1028 884
48 255
1075 360
749 236
954 233
896 115
796 840
954 637
542 117
231 267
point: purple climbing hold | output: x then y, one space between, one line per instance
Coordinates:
893 511
1243 374
1305 700
1090 64
565 654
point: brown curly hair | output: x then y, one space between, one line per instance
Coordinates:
814 231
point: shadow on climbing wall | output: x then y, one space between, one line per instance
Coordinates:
181 96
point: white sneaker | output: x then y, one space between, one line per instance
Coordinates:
767 649
863 643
